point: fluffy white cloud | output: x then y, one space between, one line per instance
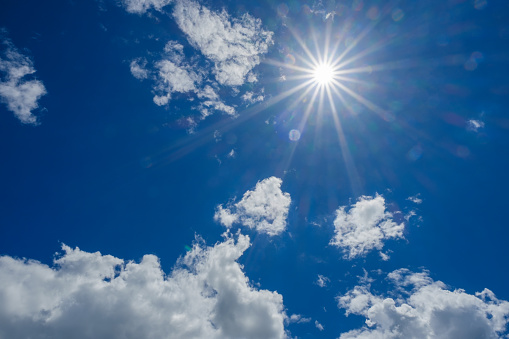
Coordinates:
364 226
264 209
141 6
225 52
234 45
19 94
423 308
173 73
319 326
90 295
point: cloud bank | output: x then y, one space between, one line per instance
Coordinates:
19 94
364 227
90 295
423 308
265 209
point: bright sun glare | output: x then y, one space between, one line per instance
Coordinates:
323 74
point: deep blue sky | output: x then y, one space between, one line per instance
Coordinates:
108 170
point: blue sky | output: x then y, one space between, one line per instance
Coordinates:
230 169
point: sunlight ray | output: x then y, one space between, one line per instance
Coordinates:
303 46
356 81
353 44
351 170
363 53
309 107
317 48
362 100
285 65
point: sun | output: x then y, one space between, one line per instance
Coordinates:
323 74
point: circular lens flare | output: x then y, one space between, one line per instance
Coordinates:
323 74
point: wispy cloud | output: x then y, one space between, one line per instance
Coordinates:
415 199
16 91
364 226
322 281
299 319
264 209
90 295
474 125
422 308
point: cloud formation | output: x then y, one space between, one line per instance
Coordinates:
474 125
265 209
423 308
19 94
90 295
364 227
322 281
233 44
415 199
224 52
142 6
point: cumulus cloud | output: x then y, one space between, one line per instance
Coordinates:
222 51
90 295
265 209
174 73
18 93
423 308
233 44
364 226
142 6
319 326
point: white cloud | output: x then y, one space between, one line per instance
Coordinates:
223 47
423 308
474 125
251 97
415 199
234 45
264 209
318 325
384 256
299 319
89 295
141 6
19 94
410 215
364 226
322 280
138 68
